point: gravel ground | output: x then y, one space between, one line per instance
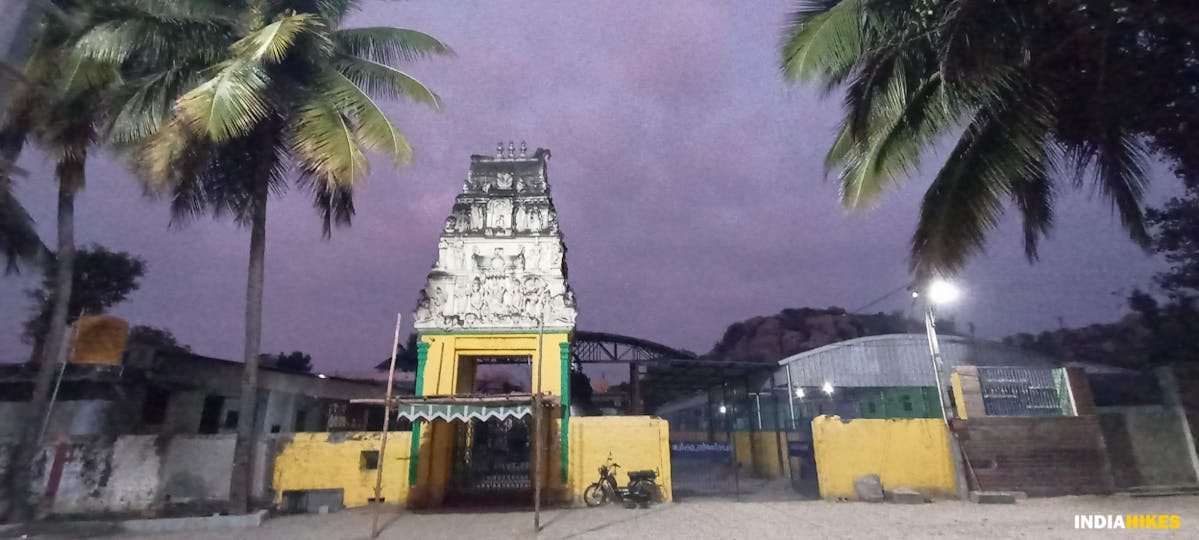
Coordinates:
721 519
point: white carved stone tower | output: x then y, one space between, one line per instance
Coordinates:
501 260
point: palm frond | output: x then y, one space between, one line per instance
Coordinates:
138 107
1001 154
224 179
334 204
841 150
823 41
894 149
19 241
1034 198
325 146
371 127
388 46
165 157
272 42
149 33
385 81
1121 178
335 11
229 104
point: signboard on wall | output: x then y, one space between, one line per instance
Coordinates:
712 451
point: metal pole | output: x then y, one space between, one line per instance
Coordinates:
791 398
934 349
778 426
758 408
732 440
537 429
391 372
64 353
955 448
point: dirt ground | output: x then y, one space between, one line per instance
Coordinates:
701 518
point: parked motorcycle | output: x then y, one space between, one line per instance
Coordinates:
642 488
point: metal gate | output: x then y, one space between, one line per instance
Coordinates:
1017 391
491 458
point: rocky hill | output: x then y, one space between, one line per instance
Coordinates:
795 330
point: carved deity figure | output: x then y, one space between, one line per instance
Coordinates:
423 310
477 302
498 263
532 258
477 258
458 254
499 214
534 219
443 259
522 219
476 217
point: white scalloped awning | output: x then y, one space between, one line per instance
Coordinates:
428 412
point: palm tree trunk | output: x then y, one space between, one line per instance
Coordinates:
241 479
70 177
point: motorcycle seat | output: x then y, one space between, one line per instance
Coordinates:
642 475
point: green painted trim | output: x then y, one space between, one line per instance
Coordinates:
565 446
413 454
530 332
422 354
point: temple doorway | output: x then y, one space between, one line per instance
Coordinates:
491 458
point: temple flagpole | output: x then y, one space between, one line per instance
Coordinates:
391 373
537 427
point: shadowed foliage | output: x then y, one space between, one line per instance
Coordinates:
1025 93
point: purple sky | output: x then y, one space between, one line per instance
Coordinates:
686 174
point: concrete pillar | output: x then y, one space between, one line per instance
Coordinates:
1080 392
967 392
635 405
1173 398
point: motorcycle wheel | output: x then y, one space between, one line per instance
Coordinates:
594 495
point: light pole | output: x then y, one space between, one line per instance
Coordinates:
938 292
941 292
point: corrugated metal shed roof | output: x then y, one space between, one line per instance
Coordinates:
899 360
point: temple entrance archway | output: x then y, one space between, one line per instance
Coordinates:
498 290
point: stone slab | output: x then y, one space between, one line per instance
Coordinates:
905 496
995 497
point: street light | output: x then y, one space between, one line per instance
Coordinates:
941 292
938 292
827 388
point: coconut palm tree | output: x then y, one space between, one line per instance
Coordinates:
293 92
1026 92
70 77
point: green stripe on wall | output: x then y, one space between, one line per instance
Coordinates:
565 410
422 354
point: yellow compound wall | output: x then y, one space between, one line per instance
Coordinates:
334 461
910 453
635 442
